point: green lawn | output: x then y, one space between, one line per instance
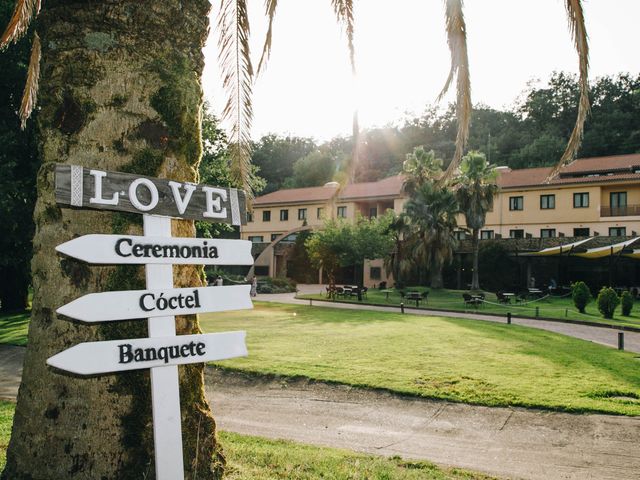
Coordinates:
253 458
13 328
445 358
550 307
460 360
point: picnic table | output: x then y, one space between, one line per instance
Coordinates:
387 291
509 296
417 296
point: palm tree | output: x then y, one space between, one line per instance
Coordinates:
120 90
432 211
397 261
475 188
419 168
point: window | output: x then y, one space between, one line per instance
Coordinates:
342 212
274 236
256 238
284 215
618 232
486 234
266 216
516 233
618 199
459 235
375 273
302 214
373 212
581 200
516 203
249 217
580 232
547 232
547 202
320 212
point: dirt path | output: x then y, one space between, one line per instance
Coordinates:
506 442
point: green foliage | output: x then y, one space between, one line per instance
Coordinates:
214 170
276 285
626 301
421 167
341 243
581 295
299 264
18 167
496 268
314 169
432 210
607 302
275 157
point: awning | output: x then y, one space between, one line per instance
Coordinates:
600 252
557 250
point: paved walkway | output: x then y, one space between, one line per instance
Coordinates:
505 442
602 335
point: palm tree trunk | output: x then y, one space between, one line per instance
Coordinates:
435 273
120 90
475 278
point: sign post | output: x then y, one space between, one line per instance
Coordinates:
158 200
165 389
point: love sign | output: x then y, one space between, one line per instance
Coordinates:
81 187
158 200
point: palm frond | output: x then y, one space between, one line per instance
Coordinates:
30 94
237 74
19 22
270 7
457 41
575 16
344 13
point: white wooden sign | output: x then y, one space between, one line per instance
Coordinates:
90 358
130 249
129 304
163 351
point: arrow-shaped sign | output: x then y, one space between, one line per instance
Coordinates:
91 358
129 249
130 304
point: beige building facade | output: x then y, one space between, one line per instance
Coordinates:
589 197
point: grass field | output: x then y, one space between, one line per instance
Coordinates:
13 328
550 307
443 358
460 360
253 458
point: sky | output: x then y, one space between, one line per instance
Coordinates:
402 58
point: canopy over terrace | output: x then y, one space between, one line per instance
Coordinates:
606 251
556 250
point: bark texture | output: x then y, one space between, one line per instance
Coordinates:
120 90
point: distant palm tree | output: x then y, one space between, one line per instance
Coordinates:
432 210
475 188
420 167
398 260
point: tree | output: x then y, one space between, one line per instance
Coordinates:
18 166
397 260
432 210
214 169
312 170
119 90
420 167
275 156
342 244
475 188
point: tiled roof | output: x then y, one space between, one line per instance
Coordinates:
603 169
297 195
387 187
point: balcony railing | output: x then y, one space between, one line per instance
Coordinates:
607 211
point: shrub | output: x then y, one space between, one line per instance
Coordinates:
607 302
627 303
581 295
